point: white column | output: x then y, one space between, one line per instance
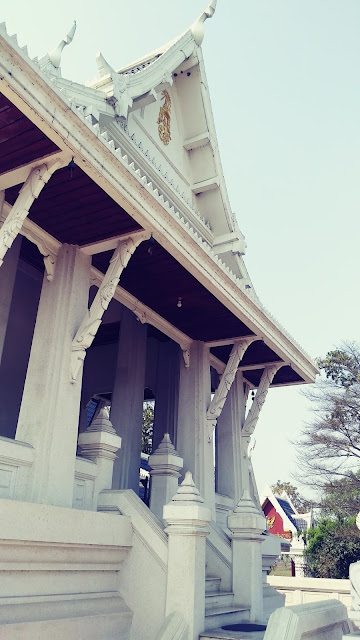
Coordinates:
49 411
165 465
297 555
271 550
100 443
247 525
192 441
188 519
230 461
127 400
7 281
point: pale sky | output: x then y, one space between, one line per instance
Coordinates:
285 88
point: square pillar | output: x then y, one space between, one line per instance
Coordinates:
127 400
7 282
165 464
231 459
49 412
100 443
188 520
192 442
169 361
247 526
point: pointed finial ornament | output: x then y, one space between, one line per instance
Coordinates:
197 28
120 100
187 491
101 422
166 446
55 54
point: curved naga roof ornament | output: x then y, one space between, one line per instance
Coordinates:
197 29
55 54
121 100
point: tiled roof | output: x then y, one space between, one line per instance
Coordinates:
288 510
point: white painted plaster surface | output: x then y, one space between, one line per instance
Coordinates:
230 458
188 519
192 441
317 621
143 576
306 590
49 411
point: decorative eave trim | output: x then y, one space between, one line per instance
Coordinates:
156 73
31 91
136 154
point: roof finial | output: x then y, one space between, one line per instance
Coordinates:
55 54
121 100
197 28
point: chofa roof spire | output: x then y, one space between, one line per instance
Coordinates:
55 54
197 28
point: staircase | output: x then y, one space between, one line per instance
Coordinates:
220 609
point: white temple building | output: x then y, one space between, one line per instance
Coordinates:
122 277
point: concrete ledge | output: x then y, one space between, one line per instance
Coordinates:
14 451
91 618
28 522
305 590
315 621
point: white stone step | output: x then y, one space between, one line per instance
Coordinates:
220 634
212 584
349 636
218 599
216 617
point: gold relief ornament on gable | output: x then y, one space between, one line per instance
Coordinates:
164 119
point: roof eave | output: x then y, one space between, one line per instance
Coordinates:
32 91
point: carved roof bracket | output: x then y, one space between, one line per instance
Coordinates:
48 252
186 356
35 182
93 318
260 396
227 378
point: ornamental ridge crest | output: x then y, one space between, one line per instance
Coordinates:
164 119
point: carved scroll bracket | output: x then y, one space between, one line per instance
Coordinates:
258 402
225 383
186 356
48 252
140 314
92 320
35 182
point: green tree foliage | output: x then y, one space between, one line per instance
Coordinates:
329 449
301 504
147 428
331 547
